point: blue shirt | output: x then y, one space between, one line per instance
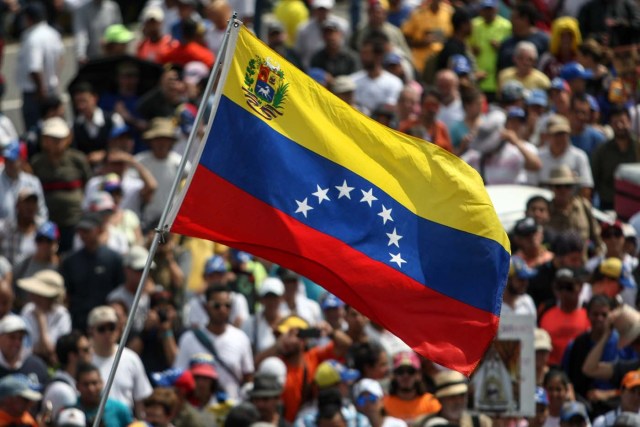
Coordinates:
457 131
588 140
116 414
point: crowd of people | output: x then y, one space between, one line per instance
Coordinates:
535 93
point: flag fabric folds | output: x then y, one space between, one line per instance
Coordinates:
395 226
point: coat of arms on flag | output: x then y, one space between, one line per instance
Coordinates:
266 92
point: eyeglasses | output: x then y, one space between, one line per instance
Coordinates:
612 233
218 306
107 327
365 398
405 371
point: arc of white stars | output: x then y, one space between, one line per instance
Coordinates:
303 207
394 238
397 259
321 194
385 214
368 197
345 190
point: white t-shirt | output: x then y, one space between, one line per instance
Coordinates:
372 93
234 350
58 321
264 336
196 315
449 114
506 166
573 157
61 393
393 422
130 383
40 51
523 306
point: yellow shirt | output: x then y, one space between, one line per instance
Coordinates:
423 20
534 80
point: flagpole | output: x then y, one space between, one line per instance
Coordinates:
162 227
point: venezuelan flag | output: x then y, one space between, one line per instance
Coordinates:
395 226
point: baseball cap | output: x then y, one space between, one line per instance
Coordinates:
516 113
575 70
332 372
541 396
12 323
89 220
558 124
489 4
560 84
291 322
450 383
205 370
11 151
606 226
541 340
215 264
48 230
519 268
71 417
118 131
325 4
55 127
271 285
512 91
111 182
343 84
101 201
161 127
273 366
331 301
265 385
117 33
367 385
153 12
194 72
18 385
406 358
45 283
392 58
102 314
573 409
538 97
460 64
525 227
136 259
275 27
330 24
631 380
613 268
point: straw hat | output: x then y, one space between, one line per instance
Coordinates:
627 323
46 283
562 175
450 383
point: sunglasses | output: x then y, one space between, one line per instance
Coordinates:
363 399
218 306
107 327
405 371
566 287
562 186
612 233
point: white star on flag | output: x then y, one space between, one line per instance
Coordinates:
394 238
321 194
367 196
397 259
303 207
385 214
344 189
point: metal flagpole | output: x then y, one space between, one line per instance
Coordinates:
162 227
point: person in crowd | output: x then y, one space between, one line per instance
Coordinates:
163 100
17 399
515 299
115 41
462 132
614 23
90 386
370 359
456 44
295 302
72 349
574 414
333 311
90 21
542 408
266 396
525 57
426 29
429 127
94 263
563 47
542 347
528 235
260 327
537 207
452 391
188 49
209 397
576 76
368 398
408 398
558 388
523 20
308 37
583 135
277 38
160 408
335 57
377 14
629 400
17 236
46 318
217 14
14 357
155 43
63 172
448 87
566 320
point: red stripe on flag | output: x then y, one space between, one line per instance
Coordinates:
440 328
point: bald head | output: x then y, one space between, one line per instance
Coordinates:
447 83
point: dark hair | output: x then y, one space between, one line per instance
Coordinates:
528 11
470 95
362 355
329 404
618 109
535 199
328 412
83 87
555 373
578 97
592 48
419 387
567 242
377 40
459 18
242 415
215 289
189 29
85 368
430 91
35 11
51 102
66 345
165 397
599 300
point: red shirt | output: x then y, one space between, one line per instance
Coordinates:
188 52
563 327
153 51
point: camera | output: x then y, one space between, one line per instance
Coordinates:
163 315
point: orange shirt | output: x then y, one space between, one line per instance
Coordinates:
188 52
409 410
25 420
153 51
563 327
292 394
438 134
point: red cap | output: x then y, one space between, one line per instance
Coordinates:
204 370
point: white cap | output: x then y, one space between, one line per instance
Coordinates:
326 4
55 127
71 417
271 285
152 12
137 258
101 201
368 385
102 314
12 323
273 366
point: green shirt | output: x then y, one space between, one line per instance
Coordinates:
482 34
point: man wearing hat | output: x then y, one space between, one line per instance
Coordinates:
377 12
155 42
260 326
14 359
93 263
335 57
574 414
515 299
17 236
566 319
528 237
488 30
17 398
13 180
542 347
570 211
162 162
629 401
542 408
452 392
115 40
266 397
344 87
